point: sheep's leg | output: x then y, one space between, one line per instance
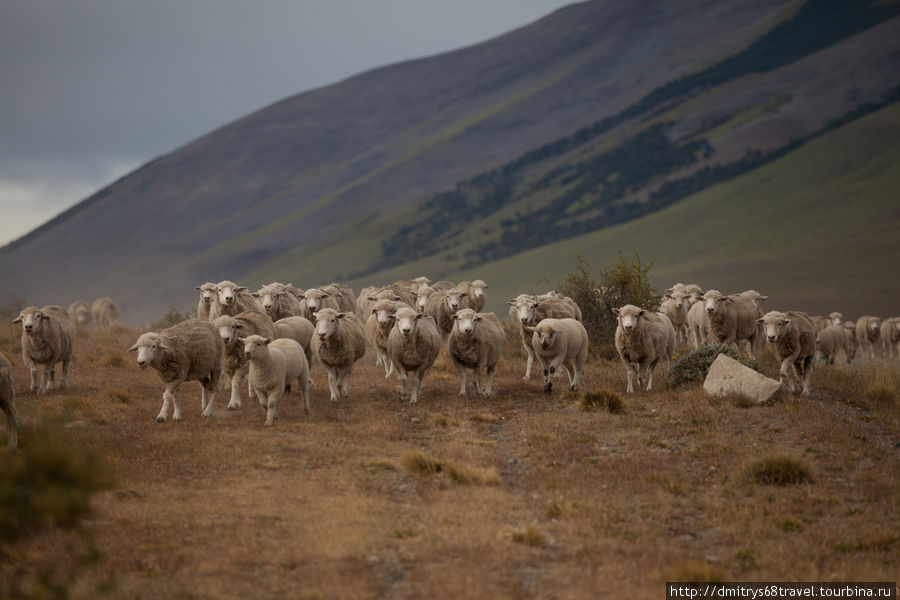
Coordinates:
490 381
805 374
549 372
416 378
237 378
46 379
208 396
461 370
333 384
572 374
33 370
650 368
262 398
344 382
404 383
629 371
528 364
273 401
12 421
303 387
477 374
62 375
789 373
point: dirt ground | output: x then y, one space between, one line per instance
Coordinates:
523 495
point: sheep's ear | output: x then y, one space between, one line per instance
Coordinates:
667 294
241 288
371 298
133 348
197 287
423 315
165 346
18 319
461 294
254 294
341 315
478 317
511 302
615 310
239 325
642 313
398 299
529 328
455 317
761 298
668 291
268 341
760 321
242 340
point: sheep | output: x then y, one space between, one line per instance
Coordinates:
48 337
441 307
868 331
513 310
378 328
188 351
698 323
675 306
558 342
80 313
422 295
792 338
400 293
235 363
732 319
835 318
642 338
363 303
413 344
475 343
890 337
820 322
231 299
475 296
207 296
850 333
443 286
830 340
274 364
315 299
8 400
754 297
418 283
104 312
343 294
531 310
299 329
277 301
339 342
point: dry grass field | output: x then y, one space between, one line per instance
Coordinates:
523 495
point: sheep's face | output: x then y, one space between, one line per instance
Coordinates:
419 282
545 335
454 300
422 297
384 314
227 293
713 300
207 292
754 297
835 318
873 325
525 311
466 320
678 299
268 298
255 346
229 329
477 288
629 316
327 322
149 347
31 319
82 315
314 299
775 325
406 321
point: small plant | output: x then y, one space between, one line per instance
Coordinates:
697 572
529 536
423 465
484 418
739 400
114 360
779 470
173 317
790 526
602 400
747 559
694 366
442 420
117 394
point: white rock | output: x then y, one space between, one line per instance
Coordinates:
728 376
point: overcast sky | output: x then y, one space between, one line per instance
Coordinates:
91 89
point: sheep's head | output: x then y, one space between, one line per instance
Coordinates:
228 327
228 291
477 287
774 324
874 325
524 309
678 297
32 319
207 292
406 320
419 282
544 333
327 320
466 320
629 316
755 297
714 300
255 346
422 296
150 348
454 299
384 311
314 299
835 318
268 296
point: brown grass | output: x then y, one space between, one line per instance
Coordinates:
514 496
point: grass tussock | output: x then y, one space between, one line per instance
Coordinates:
779 470
484 418
384 464
606 400
696 571
113 360
738 400
418 463
442 420
530 536
118 395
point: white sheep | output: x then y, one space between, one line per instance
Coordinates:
792 338
104 312
850 333
418 283
188 351
422 295
234 362
277 301
8 400
732 319
835 318
642 339
819 321
48 337
474 293
890 337
443 286
378 328
299 329
698 323
531 310
441 307
315 299
339 342
830 340
231 299
675 306
413 344
80 313
207 297
560 342
343 294
274 364
868 332
476 342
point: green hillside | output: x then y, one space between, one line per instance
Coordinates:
816 229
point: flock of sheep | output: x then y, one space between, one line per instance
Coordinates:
272 337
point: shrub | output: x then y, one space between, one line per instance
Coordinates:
694 366
604 400
173 317
779 470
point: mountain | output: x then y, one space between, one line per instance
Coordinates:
600 114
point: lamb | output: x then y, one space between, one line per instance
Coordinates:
850 333
8 400
890 337
80 313
868 331
315 299
830 340
274 364
675 306
378 328
792 338
475 343
231 299
732 319
299 329
235 363
558 342
48 337
441 307
531 310
277 301
475 296
188 351
835 318
642 339
339 342
207 296
413 344
698 323
104 312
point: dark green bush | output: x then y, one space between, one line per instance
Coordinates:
694 366
173 317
